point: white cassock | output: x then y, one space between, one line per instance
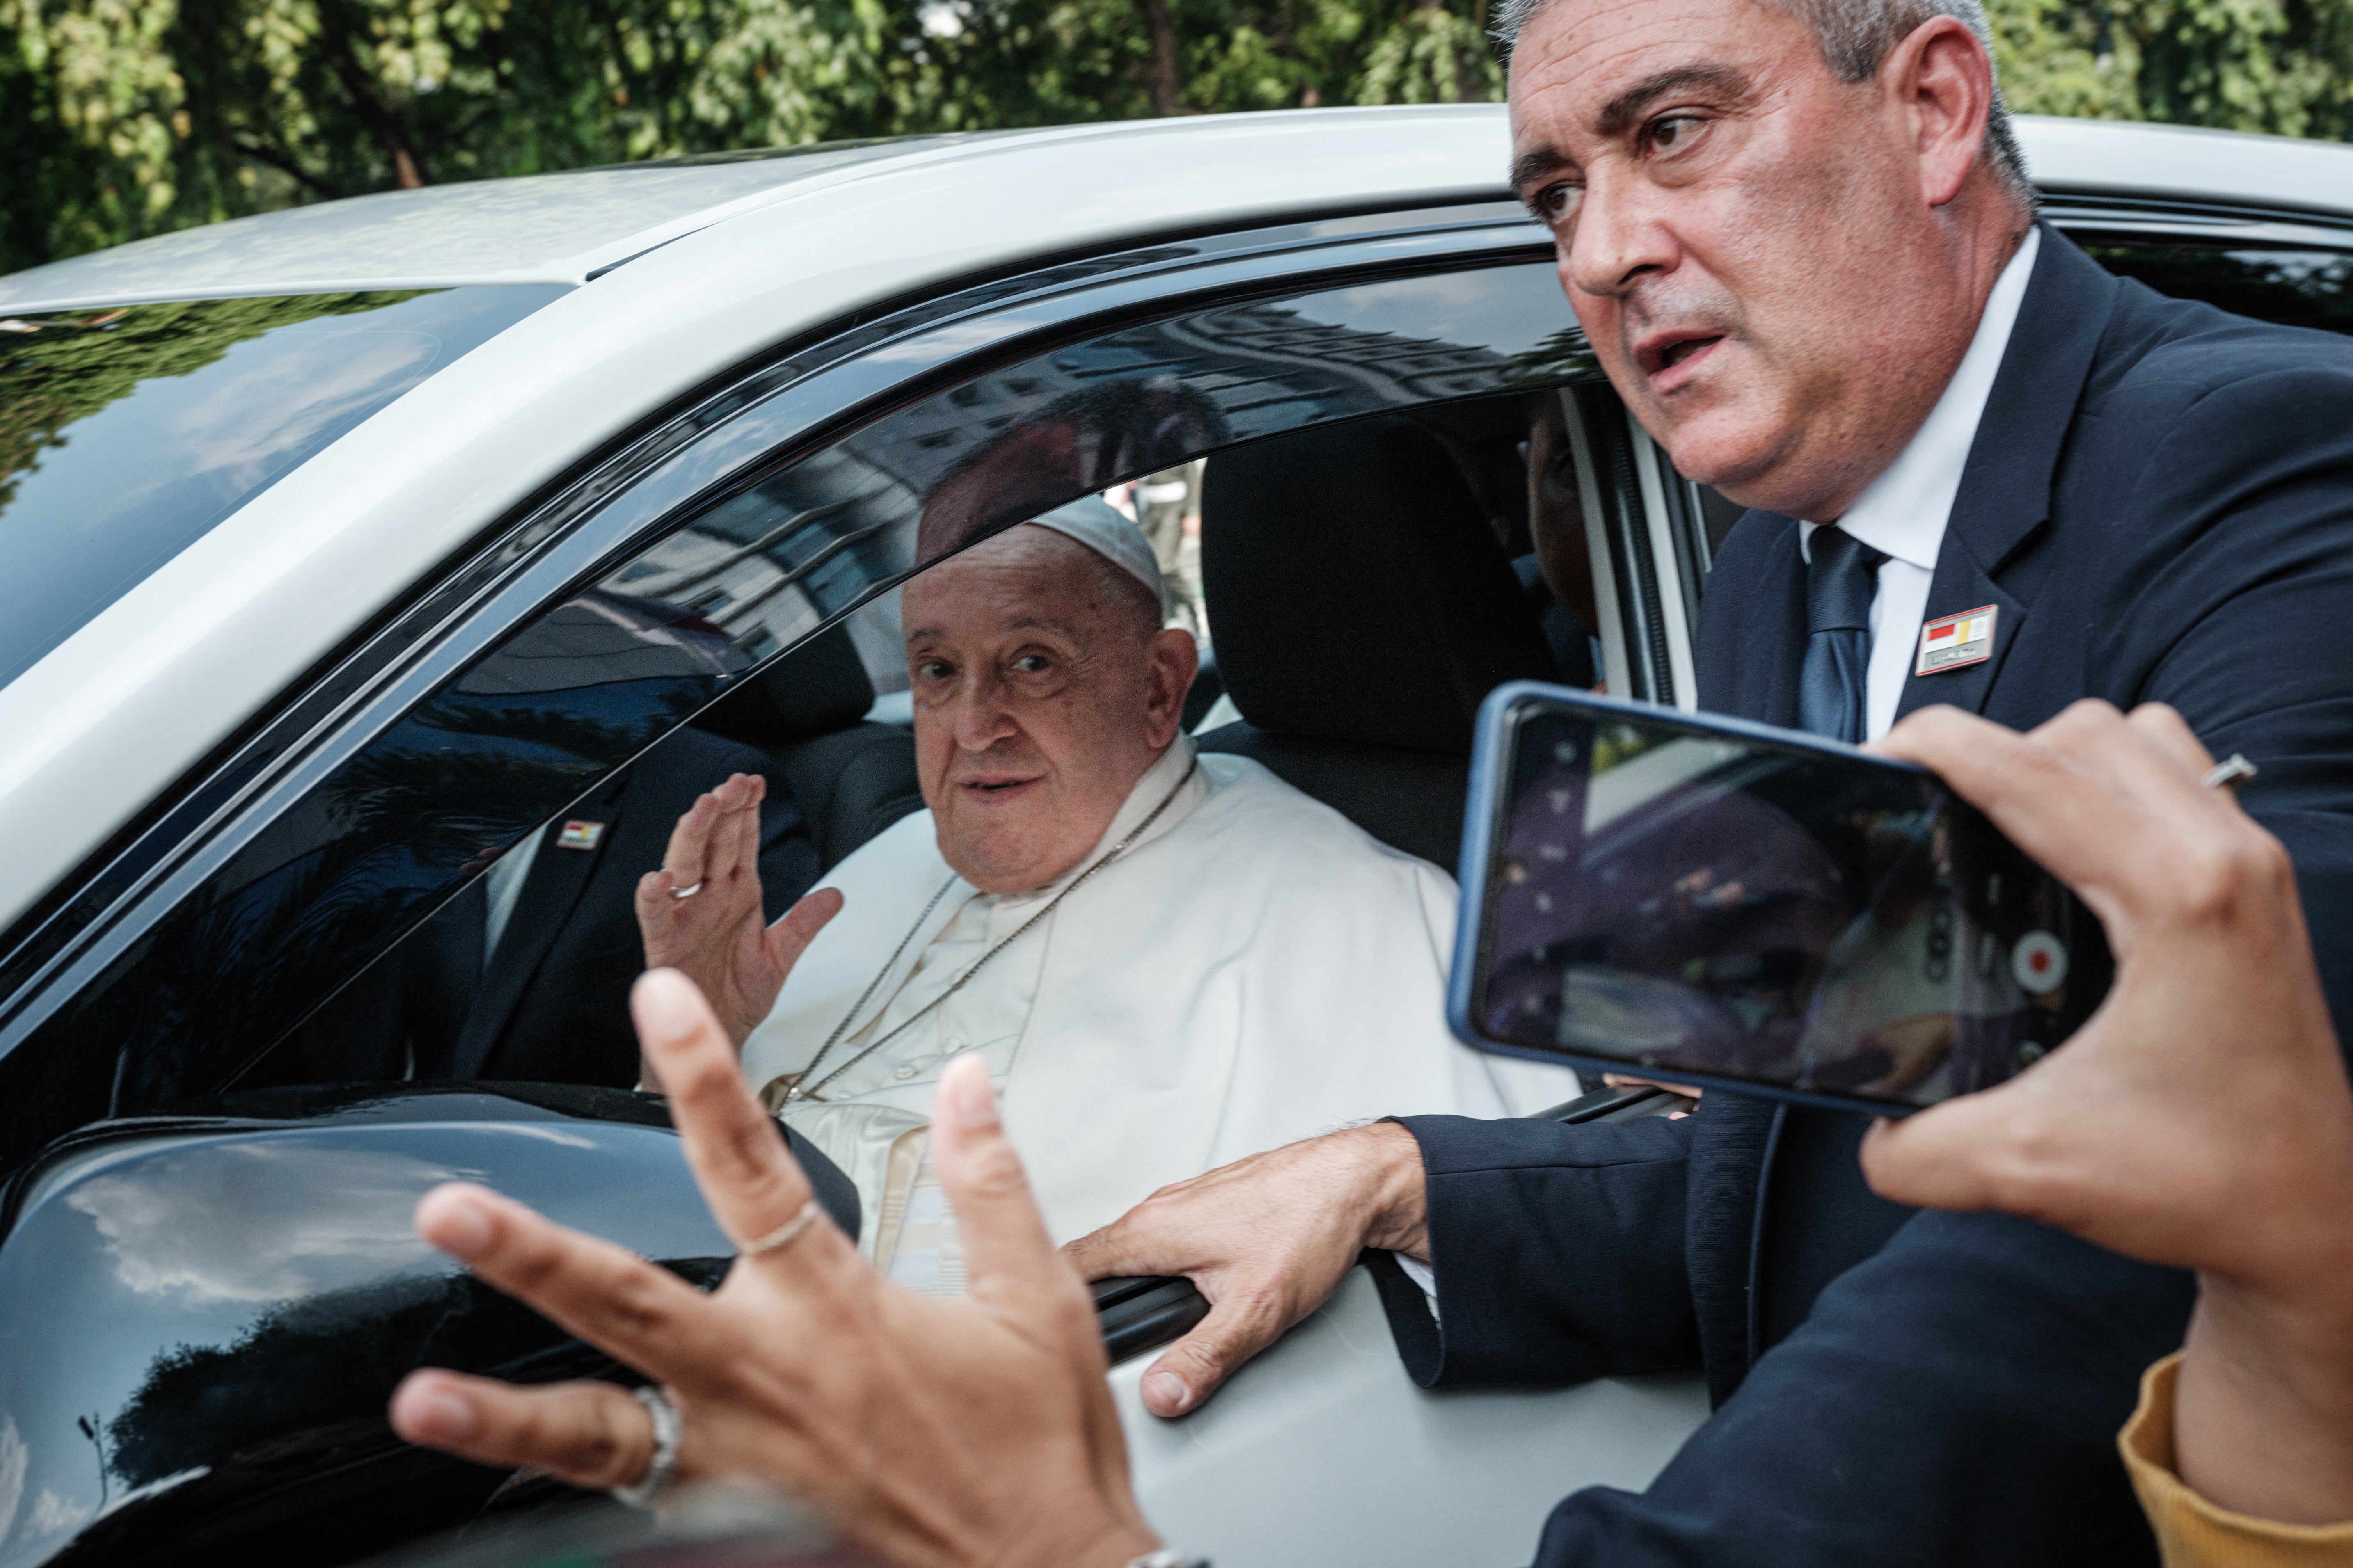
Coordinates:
1254 969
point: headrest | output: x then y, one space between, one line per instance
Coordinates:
818 687
821 686
1355 591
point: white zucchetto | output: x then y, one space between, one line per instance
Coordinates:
1095 523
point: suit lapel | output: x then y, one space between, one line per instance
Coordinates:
1753 623
542 912
2005 494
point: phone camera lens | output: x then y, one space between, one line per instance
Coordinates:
2039 962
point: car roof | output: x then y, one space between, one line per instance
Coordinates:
536 228
717 272
570 228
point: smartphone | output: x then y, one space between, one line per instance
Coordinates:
1716 903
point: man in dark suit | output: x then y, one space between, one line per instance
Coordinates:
525 976
1984 472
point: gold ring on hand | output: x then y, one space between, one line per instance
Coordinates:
784 1235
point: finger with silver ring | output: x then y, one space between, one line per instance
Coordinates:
661 1466
739 1156
590 1435
686 893
784 1235
2230 773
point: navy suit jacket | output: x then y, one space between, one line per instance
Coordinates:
2160 501
553 1005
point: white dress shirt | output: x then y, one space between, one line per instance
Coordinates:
1902 513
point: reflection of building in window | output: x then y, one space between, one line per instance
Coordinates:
1167 506
772 561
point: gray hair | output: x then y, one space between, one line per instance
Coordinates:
1855 36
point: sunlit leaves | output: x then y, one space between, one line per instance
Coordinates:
130 117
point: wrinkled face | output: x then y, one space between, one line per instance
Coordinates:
1043 688
1754 247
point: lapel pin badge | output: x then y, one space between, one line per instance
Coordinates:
580 836
1955 641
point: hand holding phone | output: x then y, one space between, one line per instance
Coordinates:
1713 902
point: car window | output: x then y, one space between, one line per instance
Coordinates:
2294 287
127 434
513 749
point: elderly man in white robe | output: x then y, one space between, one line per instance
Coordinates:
1168 960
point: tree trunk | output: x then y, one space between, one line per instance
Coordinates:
1164 79
335 38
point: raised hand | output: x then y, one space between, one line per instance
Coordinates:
1265 1239
700 914
2200 1118
930 1432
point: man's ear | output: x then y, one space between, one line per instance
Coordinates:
1174 659
1941 80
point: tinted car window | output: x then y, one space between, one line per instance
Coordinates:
126 434
2293 287
392 833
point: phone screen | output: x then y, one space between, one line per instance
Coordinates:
1718 903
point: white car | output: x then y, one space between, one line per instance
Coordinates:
343 548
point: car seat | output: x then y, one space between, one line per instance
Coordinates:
807 713
1362 609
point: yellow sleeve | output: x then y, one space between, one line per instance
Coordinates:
2192 1532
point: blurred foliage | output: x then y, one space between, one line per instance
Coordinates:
125 118
2285 67
55 370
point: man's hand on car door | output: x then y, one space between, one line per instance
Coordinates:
700 914
1266 1239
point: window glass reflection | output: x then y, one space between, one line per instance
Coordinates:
126 434
2293 287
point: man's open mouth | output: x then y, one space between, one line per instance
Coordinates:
1683 349
1661 355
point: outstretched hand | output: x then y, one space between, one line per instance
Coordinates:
718 935
2199 1119
930 1432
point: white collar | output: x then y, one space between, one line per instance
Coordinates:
1902 513
1145 797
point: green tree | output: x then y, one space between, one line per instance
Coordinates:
126 118
2285 67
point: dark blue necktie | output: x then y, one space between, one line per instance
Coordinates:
1840 579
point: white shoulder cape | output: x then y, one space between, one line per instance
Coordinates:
1262 971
